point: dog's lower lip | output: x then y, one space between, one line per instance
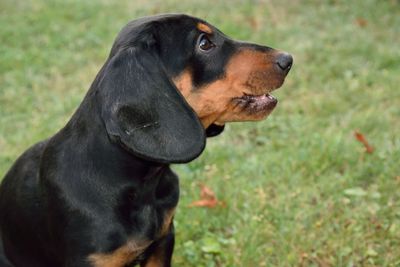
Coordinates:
267 100
258 102
259 97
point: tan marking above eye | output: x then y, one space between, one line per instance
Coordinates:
204 28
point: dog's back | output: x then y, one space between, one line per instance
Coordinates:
21 209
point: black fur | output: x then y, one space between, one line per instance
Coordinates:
105 178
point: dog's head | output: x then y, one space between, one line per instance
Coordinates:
172 80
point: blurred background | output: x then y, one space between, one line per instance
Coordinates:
316 184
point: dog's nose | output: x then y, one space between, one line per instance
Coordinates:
284 61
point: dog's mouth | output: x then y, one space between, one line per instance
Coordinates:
256 103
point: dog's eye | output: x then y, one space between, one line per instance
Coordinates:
205 44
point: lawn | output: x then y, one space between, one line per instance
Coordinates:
298 188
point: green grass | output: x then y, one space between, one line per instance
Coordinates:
299 189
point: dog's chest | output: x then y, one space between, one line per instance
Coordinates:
146 214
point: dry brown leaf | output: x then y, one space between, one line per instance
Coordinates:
361 22
209 203
361 138
206 192
207 198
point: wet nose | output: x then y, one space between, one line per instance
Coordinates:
284 61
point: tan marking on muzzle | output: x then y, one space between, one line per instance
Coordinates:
248 72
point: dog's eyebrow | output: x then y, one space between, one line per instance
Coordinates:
204 28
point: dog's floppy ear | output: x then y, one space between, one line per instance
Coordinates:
143 110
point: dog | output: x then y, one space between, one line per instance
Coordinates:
100 192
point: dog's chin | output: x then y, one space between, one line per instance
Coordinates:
259 108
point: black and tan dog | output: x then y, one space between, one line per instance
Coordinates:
100 192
